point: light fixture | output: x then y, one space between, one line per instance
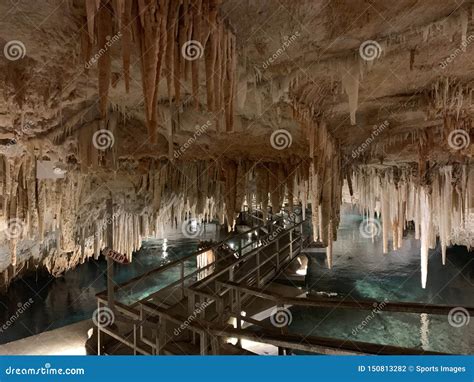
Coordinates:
302 271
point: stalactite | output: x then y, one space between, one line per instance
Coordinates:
161 30
178 40
196 36
329 246
104 31
435 208
148 28
326 172
86 48
425 232
126 30
91 9
350 73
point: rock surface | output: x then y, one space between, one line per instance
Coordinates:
191 108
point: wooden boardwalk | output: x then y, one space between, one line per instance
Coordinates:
198 314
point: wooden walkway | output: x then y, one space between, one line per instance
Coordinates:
198 315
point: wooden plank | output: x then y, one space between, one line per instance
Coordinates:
313 344
177 262
406 307
314 250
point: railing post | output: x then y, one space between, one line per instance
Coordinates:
98 330
238 312
220 310
258 268
232 300
278 252
191 305
182 279
162 335
134 339
141 322
215 345
291 243
301 238
203 343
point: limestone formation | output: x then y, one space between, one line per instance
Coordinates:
193 109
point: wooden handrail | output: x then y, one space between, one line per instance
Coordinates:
186 258
406 307
274 337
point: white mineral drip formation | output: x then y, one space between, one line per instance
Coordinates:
425 225
442 209
350 76
68 214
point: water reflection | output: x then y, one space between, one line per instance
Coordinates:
71 298
362 271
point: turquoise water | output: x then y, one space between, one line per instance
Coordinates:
71 298
360 270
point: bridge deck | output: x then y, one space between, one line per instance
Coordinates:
201 310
